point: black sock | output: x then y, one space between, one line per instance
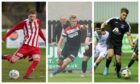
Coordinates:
131 62
108 61
84 66
118 67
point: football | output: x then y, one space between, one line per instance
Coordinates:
14 74
125 73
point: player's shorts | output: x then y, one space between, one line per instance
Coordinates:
100 51
27 51
89 51
116 47
70 51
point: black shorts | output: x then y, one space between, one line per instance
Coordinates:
89 51
116 47
70 51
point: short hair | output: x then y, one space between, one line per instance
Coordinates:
125 10
32 11
73 17
98 25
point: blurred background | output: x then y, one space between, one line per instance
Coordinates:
13 12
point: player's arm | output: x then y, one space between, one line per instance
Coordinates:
130 39
87 41
103 26
107 22
13 29
42 35
59 45
129 36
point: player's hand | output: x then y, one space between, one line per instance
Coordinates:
58 51
54 43
132 45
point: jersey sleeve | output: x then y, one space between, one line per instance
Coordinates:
129 28
20 25
109 21
41 33
64 33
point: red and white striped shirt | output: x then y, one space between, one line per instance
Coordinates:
31 31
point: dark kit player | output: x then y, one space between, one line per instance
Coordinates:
88 51
30 47
118 28
71 47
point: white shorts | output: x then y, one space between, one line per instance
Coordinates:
100 51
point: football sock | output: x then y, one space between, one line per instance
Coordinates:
6 57
95 65
84 66
131 62
118 67
108 61
31 68
58 70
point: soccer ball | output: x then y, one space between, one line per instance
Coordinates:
125 73
14 74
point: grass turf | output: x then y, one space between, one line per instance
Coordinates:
99 77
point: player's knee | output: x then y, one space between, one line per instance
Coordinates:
110 58
85 58
14 59
59 62
36 57
110 53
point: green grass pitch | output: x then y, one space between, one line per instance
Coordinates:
75 76
39 75
98 74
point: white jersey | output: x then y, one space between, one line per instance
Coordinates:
102 39
101 47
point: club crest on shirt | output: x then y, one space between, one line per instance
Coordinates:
122 26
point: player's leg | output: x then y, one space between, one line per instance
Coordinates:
35 57
84 65
19 54
132 60
133 57
117 52
10 58
118 65
100 58
60 60
108 60
32 67
62 67
87 55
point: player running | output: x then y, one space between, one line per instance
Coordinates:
100 44
118 28
30 47
71 47
88 51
